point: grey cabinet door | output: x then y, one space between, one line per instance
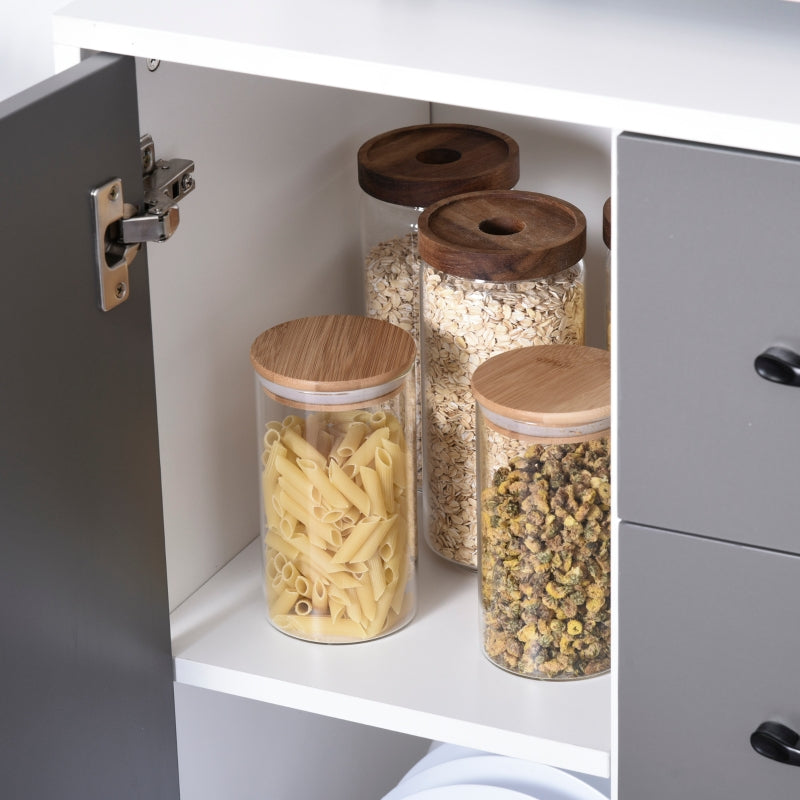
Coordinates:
709 277
708 650
87 708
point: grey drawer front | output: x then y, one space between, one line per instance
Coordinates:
709 277
708 650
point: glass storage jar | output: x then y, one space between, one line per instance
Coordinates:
607 240
336 422
401 172
501 269
543 416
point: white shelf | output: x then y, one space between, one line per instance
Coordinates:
429 679
722 71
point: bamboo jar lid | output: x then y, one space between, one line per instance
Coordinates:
502 235
418 165
553 386
333 354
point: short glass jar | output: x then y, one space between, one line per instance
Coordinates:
543 418
500 270
336 424
401 172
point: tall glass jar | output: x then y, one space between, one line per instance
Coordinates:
544 482
500 270
401 172
336 424
607 241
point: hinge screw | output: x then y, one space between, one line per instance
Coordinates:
187 181
120 290
153 64
113 193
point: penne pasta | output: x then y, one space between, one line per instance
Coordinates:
353 606
315 474
348 487
284 602
377 576
302 585
382 607
335 607
353 437
355 539
367 602
319 627
385 472
372 486
319 597
388 545
301 448
276 542
366 451
375 540
398 456
302 607
335 505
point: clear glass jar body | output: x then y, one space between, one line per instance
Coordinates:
338 521
463 323
544 565
607 298
390 274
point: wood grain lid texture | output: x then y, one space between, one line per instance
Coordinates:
418 165
607 223
502 235
333 353
548 385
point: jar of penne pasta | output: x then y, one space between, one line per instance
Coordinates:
501 269
336 424
401 172
543 416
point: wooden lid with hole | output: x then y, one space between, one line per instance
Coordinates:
418 165
333 353
554 386
502 235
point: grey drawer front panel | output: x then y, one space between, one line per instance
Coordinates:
709 277
708 650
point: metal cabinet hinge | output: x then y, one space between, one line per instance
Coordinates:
120 228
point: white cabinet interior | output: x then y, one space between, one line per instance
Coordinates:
272 232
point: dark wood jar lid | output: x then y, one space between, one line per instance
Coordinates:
553 386
607 223
333 354
418 165
502 235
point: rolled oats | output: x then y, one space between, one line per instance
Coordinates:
465 322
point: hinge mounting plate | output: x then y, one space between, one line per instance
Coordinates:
120 228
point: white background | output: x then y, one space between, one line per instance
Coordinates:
26 52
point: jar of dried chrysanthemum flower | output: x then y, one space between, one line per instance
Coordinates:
543 417
501 269
401 172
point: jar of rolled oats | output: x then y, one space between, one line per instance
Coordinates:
401 172
501 269
336 418
607 241
543 416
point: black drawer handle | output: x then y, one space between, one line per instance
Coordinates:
780 365
776 741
